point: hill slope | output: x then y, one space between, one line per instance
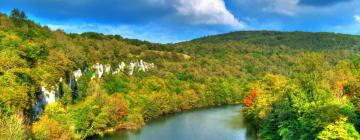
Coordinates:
292 39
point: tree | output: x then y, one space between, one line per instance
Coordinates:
12 127
54 123
341 130
18 14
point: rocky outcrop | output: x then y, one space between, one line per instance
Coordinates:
54 93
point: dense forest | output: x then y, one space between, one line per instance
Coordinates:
293 85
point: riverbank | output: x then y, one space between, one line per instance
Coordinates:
225 122
130 126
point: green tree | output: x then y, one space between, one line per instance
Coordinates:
18 14
341 130
12 126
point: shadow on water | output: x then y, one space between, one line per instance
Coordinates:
237 121
225 123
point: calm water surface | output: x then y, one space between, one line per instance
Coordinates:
220 123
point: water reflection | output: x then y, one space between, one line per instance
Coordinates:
220 123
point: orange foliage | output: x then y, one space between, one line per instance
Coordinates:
121 105
250 99
120 113
338 89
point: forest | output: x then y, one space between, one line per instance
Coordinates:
292 85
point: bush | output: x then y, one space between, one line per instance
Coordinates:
98 112
340 129
115 83
54 123
12 127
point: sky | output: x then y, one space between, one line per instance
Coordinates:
169 21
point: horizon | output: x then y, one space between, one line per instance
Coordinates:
178 21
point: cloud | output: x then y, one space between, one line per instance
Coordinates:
108 11
285 7
321 3
198 12
211 12
357 18
153 20
293 7
175 20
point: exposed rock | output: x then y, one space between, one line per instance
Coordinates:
107 68
142 65
132 68
99 70
122 66
49 96
77 74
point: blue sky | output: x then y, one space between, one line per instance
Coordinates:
167 21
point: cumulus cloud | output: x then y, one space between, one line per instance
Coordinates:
199 12
162 21
211 12
357 18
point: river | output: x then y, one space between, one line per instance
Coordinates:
218 123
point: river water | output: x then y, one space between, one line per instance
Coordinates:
219 123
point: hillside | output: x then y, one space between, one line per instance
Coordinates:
93 83
305 40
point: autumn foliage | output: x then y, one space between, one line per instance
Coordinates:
249 100
305 82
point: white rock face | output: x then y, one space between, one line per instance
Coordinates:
77 74
49 96
120 68
140 66
107 68
115 72
132 68
145 66
99 69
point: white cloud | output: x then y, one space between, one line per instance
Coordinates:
195 12
285 7
211 12
357 18
294 7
